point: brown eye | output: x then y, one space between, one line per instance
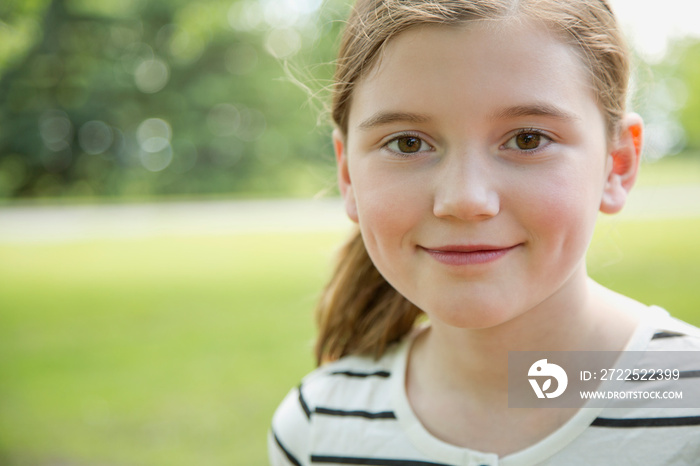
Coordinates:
528 141
408 144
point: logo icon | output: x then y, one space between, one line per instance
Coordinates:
542 368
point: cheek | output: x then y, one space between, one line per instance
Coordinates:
389 210
386 209
563 210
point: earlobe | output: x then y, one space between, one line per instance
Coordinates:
344 182
623 164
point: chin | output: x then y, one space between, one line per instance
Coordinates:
471 317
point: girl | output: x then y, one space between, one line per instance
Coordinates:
476 140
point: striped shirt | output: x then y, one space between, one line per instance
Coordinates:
355 411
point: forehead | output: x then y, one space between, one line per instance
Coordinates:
474 67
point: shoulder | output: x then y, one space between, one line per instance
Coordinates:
347 382
650 424
672 334
352 387
671 360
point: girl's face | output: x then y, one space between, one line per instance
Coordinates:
475 162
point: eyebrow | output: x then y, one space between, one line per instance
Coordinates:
538 109
385 118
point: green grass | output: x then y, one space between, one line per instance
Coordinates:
176 351
153 352
677 169
655 262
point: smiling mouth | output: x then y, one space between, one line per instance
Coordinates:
468 255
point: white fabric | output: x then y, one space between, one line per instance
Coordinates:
334 425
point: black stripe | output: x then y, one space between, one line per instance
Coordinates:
648 422
384 374
303 404
689 374
666 335
370 461
365 414
289 456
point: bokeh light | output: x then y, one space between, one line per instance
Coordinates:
55 129
154 135
95 137
151 75
252 124
224 120
283 42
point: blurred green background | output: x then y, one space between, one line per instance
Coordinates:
136 98
175 347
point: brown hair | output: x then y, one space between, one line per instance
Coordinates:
359 312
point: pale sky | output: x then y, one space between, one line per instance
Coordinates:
649 24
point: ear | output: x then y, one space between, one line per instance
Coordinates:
623 164
344 183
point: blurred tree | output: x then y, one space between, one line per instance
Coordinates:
669 100
136 97
684 61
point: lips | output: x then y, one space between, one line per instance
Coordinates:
468 254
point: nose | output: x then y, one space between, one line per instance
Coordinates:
467 188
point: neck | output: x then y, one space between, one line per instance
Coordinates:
477 359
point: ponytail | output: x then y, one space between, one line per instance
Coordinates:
359 311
